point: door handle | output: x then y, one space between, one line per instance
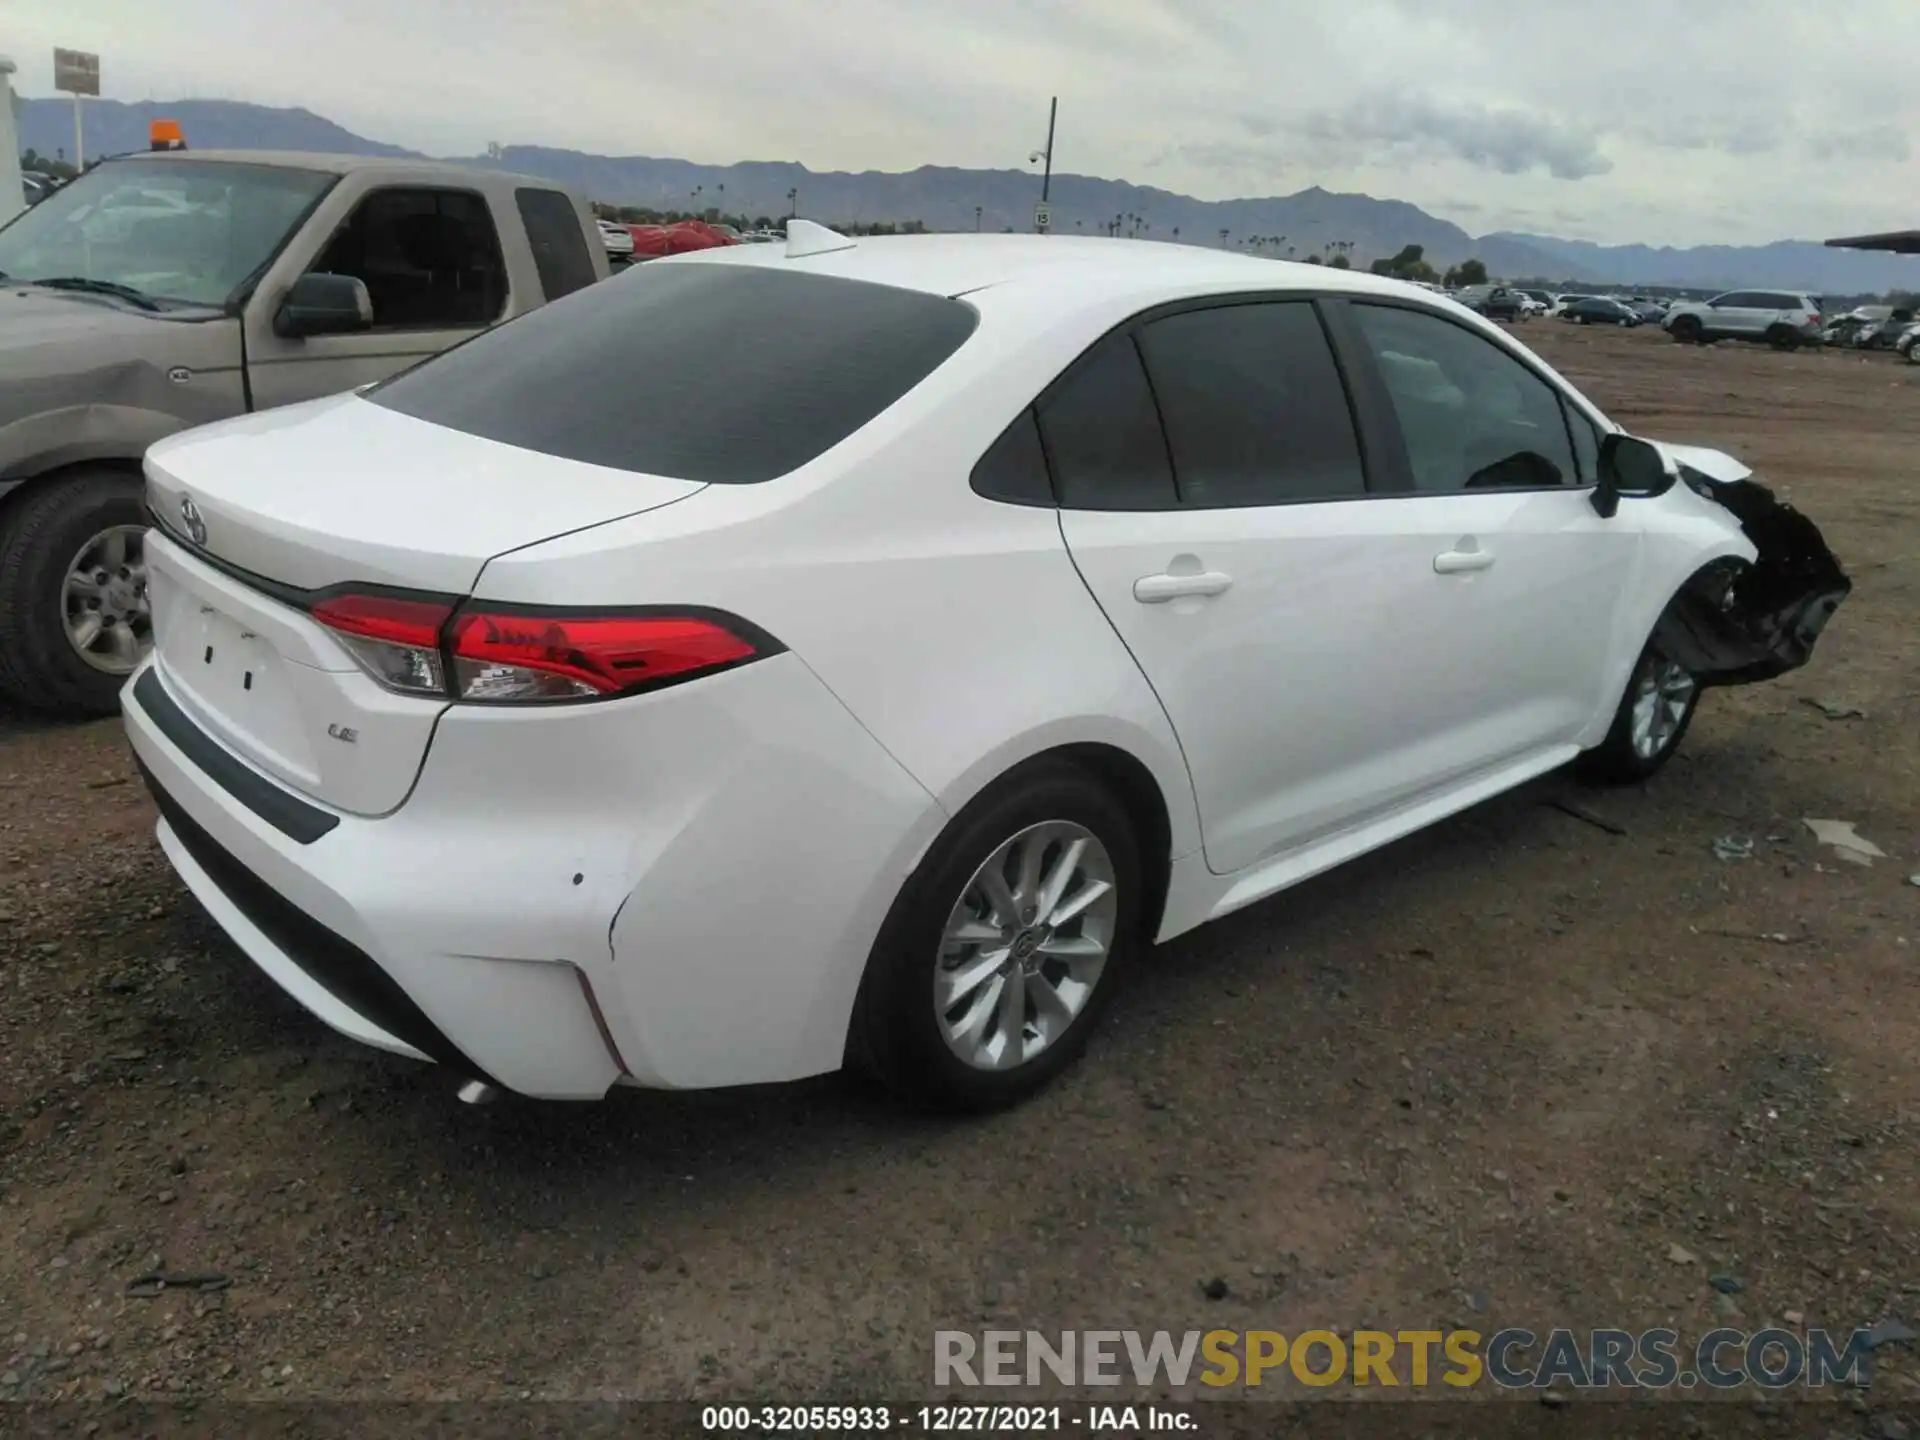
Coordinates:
1158 589
1461 562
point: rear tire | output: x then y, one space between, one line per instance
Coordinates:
1780 337
41 537
1654 715
942 930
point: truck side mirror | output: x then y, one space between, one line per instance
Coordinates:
319 303
1628 467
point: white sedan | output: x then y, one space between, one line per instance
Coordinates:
618 240
870 663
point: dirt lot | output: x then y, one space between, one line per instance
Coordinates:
1495 1074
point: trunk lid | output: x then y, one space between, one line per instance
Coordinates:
340 491
337 493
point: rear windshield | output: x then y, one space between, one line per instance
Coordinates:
728 374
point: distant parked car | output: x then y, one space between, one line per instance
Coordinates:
1598 310
1904 345
618 240
1783 318
1561 302
1543 299
1651 312
1496 302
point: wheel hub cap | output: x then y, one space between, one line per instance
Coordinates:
1025 945
107 613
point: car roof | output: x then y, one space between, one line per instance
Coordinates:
335 164
953 265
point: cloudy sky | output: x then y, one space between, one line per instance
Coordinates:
1666 121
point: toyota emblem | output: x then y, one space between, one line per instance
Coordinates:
194 521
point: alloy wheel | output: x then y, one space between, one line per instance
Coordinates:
109 619
1025 945
1663 692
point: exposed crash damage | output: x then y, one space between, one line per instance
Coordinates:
1737 622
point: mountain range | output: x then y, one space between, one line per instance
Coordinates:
946 198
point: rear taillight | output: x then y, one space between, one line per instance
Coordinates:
424 645
537 655
395 638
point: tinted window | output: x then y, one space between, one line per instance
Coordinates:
1739 300
715 373
1103 436
559 245
430 259
729 374
1783 302
1015 467
1254 409
1473 416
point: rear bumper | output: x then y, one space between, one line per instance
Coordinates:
289 903
677 889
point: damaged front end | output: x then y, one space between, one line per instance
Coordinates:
1736 622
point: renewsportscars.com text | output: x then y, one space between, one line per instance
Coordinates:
1510 1359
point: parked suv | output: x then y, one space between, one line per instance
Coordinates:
1496 302
1782 318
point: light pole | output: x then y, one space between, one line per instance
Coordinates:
1046 155
978 210
723 202
793 202
696 200
1223 237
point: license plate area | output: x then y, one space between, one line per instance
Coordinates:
228 675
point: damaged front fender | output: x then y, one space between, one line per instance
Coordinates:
1738 622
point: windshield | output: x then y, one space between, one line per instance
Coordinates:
186 232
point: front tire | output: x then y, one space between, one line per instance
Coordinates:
1687 330
74 618
1004 946
1654 715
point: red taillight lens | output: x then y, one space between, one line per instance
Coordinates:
395 638
505 655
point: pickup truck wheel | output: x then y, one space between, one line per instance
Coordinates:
74 617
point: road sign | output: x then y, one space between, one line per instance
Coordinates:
76 72
1042 216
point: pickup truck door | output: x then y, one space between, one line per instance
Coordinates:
432 260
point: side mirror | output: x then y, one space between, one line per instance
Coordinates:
1629 467
322 304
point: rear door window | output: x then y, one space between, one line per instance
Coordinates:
721 373
1254 409
1102 434
560 251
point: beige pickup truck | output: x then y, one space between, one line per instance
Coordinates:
160 291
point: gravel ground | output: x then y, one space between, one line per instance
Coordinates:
1517 1069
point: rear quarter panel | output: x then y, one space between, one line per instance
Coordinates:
954 628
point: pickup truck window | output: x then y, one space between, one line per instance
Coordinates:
190 232
430 259
559 247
